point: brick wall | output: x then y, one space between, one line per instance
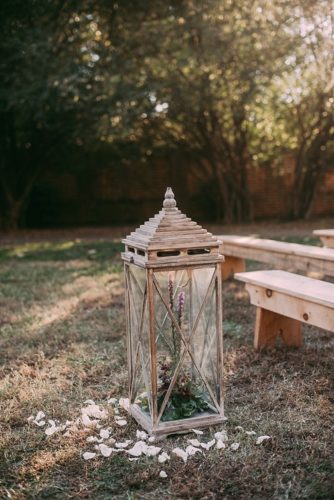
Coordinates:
133 193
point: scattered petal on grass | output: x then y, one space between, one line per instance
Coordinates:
89 402
88 455
192 450
208 445
151 439
260 439
163 474
163 457
250 433
196 431
123 445
51 430
112 401
235 446
105 450
138 449
124 403
104 433
67 434
93 439
94 411
40 415
121 422
133 459
222 436
194 442
141 435
220 444
152 451
29 419
239 428
40 423
180 453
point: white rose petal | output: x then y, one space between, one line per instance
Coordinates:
222 435
260 439
94 411
192 450
133 459
138 449
40 423
163 474
123 445
151 439
180 453
141 435
250 433
163 457
88 455
124 403
194 442
208 445
51 430
121 422
196 431
29 419
239 428
40 415
105 450
152 451
104 433
112 401
89 402
220 444
93 439
67 434
235 446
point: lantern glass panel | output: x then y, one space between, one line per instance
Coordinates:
185 338
139 342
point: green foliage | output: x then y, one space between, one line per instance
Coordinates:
235 85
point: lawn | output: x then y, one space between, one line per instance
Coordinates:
63 342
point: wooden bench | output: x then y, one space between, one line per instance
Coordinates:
326 236
284 301
291 256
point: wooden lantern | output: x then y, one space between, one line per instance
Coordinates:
174 323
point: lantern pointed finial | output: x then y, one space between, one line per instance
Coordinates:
169 201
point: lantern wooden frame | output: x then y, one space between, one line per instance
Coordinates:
171 243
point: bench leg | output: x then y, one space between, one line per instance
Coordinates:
269 324
232 265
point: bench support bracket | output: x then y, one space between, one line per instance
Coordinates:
232 265
270 324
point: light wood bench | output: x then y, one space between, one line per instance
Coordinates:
326 236
291 256
284 301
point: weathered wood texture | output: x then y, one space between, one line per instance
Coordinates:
171 238
326 236
284 300
280 254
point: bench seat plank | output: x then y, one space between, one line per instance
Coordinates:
281 254
326 236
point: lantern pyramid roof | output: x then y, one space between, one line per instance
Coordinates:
171 229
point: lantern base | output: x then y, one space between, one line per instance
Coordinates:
182 426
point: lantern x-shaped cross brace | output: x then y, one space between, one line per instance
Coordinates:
187 346
140 323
